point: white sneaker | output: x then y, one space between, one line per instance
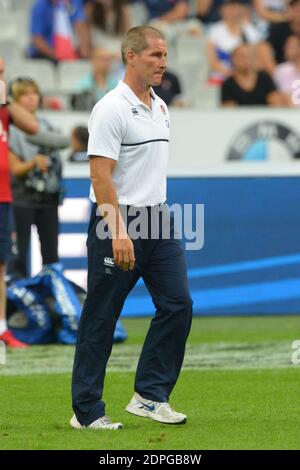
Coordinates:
100 423
158 411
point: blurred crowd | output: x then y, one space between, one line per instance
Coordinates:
251 47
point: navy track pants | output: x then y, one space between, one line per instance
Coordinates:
161 264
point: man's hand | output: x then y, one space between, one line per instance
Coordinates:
123 251
41 162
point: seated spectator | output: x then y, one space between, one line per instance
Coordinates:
36 182
170 90
233 30
96 84
267 12
171 17
246 86
108 20
208 11
53 24
79 143
288 72
279 32
169 11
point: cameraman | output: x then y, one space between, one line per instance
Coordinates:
36 182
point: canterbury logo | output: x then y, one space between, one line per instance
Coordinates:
109 262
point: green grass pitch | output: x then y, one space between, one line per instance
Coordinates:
238 387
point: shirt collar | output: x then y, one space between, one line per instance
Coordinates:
131 96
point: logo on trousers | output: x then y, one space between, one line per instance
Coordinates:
109 261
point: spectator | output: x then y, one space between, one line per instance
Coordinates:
208 11
169 11
36 182
24 120
233 30
246 86
79 142
96 84
170 90
108 20
171 17
287 73
53 24
270 11
279 32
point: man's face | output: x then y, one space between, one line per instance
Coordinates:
151 63
294 15
292 49
232 12
102 61
243 58
294 10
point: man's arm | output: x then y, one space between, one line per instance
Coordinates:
178 13
101 176
23 119
83 34
269 15
215 64
229 104
21 168
203 7
43 47
276 99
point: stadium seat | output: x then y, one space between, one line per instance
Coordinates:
191 49
24 5
207 96
70 73
14 26
7 30
190 78
8 50
42 71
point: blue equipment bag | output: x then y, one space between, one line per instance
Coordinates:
48 308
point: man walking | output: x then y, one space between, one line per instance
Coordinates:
128 150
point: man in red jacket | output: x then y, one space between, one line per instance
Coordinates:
22 119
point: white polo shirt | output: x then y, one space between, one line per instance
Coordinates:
123 128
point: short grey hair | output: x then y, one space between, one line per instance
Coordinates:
136 39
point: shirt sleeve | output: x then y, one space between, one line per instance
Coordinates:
14 144
213 34
78 11
268 83
252 34
106 131
37 16
226 91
